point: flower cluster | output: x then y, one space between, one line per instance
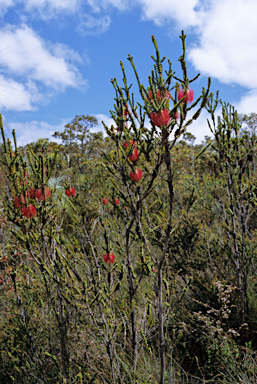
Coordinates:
109 258
105 201
161 118
159 97
70 191
137 175
135 155
40 193
29 211
189 95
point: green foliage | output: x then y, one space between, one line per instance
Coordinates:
178 302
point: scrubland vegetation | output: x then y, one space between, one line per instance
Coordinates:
131 258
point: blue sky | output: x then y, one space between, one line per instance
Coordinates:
57 57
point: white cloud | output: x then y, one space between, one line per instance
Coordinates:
48 8
29 65
16 96
121 5
183 12
106 119
227 43
33 130
26 54
247 103
4 5
89 25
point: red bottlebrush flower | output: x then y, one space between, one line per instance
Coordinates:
154 270
109 258
32 193
47 192
117 202
29 211
43 193
70 191
161 118
16 202
158 95
131 142
105 201
38 194
134 156
189 95
137 175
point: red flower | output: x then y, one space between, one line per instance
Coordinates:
135 155
70 191
131 142
117 202
158 95
43 193
16 202
189 95
105 201
109 258
161 118
29 211
32 193
137 175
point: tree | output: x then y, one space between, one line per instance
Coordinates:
76 132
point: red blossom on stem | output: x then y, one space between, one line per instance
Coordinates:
70 191
109 258
29 211
131 142
105 201
189 95
43 193
16 202
135 155
117 202
161 118
32 193
158 95
136 176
